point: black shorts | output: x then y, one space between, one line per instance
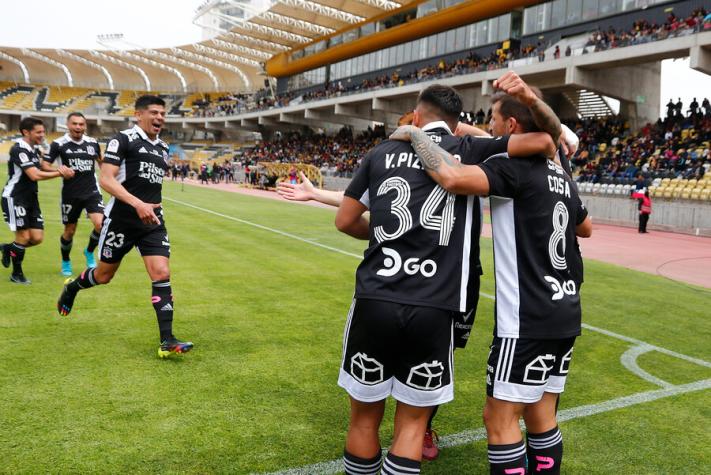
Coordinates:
22 213
399 350
118 237
521 370
72 207
464 322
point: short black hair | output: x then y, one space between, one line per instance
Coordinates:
148 100
29 123
510 107
444 99
75 114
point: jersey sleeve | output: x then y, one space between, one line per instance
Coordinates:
115 150
358 187
21 158
581 212
504 175
53 153
475 150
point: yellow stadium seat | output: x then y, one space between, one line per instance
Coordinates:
676 192
695 194
705 194
685 193
667 192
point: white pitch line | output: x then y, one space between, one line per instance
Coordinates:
629 361
470 436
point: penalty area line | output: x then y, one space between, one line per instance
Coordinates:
470 436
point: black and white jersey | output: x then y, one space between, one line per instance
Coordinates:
143 164
81 157
19 185
420 235
534 211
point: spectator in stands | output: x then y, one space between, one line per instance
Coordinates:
556 53
670 108
568 51
678 107
693 107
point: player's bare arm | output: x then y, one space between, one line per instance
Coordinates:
35 174
584 229
442 166
350 219
543 115
463 130
109 184
306 191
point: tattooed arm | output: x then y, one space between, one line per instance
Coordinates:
543 115
442 166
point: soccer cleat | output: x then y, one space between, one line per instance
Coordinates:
173 345
67 268
6 255
430 451
66 300
20 279
90 260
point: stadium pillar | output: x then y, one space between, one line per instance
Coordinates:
700 59
637 87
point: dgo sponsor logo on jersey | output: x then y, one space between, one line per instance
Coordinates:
393 264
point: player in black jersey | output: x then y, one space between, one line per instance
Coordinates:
414 276
81 192
20 204
135 162
536 214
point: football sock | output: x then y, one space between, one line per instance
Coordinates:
508 459
66 247
17 254
432 416
394 465
84 281
358 466
93 241
545 451
162 299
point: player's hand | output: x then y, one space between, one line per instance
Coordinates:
402 133
512 84
303 191
146 213
66 172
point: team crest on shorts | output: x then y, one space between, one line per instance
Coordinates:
427 376
19 222
366 370
107 252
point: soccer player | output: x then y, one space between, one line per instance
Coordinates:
135 163
536 214
78 152
20 203
413 278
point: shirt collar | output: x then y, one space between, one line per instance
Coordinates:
438 124
69 137
25 145
144 136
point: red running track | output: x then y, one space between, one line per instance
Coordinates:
676 256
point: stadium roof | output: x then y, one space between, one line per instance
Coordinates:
246 34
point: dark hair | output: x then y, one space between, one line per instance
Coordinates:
510 107
29 123
446 101
75 114
148 100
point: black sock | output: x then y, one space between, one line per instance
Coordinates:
429 422
84 281
358 466
93 241
162 299
17 254
394 465
509 459
66 247
545 451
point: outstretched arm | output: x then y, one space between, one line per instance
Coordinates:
442 166
306 191
350 219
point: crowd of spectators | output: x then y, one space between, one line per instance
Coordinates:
642 31
675 146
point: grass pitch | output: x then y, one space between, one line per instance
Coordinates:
86 393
